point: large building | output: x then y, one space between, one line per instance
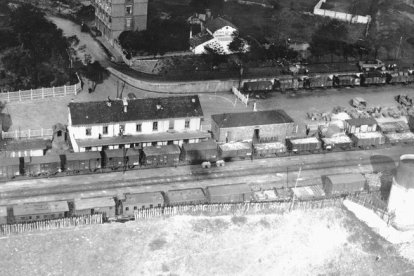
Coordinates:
112 17
273 125
135 123
401 200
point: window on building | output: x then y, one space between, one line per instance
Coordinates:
38 217
151 205
105 130
139 127
155 126
30 217
187 124
135 208
128 22
88 131
126 208
88 148
128 10
171 125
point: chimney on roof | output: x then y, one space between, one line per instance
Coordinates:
125 104
208 14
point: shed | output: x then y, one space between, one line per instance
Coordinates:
3 215
134 202
229 193
97 205
186 196
39 211
235 150
168 155
340 184
199 152
361 125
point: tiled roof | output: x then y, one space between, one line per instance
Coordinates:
91 113
218 23
267 117
200 39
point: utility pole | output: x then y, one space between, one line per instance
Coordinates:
296 184
398 49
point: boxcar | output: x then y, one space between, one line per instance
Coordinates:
197 153
257 86
298 145
342 142
114 159
158 156
374 77
346 80
186 196
82 161
43 165
133 202
318 81
39 211
229 193
398 77
9 167
91 206
269 149
287 83
309 192
133 157
235 150
367 140
342 184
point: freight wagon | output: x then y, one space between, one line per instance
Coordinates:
91 206
373 78
269 149
287 83
303 145
318 81
43 165
199 152
399 138
133 202
367 140
257 86
343 184
342 142
346 80
9 167
229 193
186 197
235 151
159 156
81 161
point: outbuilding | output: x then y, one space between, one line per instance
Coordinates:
39 211
229 193
255 125
91 206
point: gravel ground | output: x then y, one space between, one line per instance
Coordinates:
315 242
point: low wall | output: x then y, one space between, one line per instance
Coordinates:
177 87
340 15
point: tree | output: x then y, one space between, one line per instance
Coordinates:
95 73
238 44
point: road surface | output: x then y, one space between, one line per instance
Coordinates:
261 173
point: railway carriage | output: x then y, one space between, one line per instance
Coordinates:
160 156
271 149
43 165
197 153
343 184
114 159
82 161
303 145
235 151
9 167
229 193
133 202
186 197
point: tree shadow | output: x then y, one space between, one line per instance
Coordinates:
387 166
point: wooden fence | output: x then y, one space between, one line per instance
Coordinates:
243 98
41 93
28 134
9 229
237 209
369 201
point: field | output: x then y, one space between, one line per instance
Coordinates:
328 242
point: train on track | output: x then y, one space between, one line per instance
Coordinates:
120 208
286 83
205 153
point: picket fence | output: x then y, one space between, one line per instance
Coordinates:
41 93
244 99
236 209
19 228
46 133
368 203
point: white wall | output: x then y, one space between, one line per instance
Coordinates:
401 202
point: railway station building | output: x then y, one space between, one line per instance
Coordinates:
257 126
96 126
